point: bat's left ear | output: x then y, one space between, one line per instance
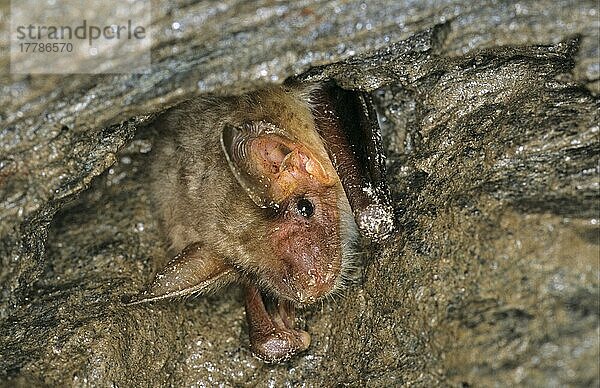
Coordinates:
270 166
194 270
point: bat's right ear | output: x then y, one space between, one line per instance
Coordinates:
268 165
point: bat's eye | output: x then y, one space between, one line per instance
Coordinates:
305 208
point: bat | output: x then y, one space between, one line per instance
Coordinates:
268 190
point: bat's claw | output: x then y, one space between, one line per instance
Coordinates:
273 338
280 345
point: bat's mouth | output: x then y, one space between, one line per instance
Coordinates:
305 288
290 299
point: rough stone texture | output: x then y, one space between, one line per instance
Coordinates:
492 278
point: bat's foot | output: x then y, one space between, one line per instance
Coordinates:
272 335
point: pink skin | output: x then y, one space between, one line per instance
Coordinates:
308 277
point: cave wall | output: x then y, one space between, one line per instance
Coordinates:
489 113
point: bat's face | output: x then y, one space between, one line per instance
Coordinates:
307 240
301 251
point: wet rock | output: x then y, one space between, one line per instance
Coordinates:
493 164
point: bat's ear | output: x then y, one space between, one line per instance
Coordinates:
194 270
270 166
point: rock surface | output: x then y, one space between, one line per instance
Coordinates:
492 278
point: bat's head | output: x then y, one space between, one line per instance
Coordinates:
309 225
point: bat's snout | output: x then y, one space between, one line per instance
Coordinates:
313 285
